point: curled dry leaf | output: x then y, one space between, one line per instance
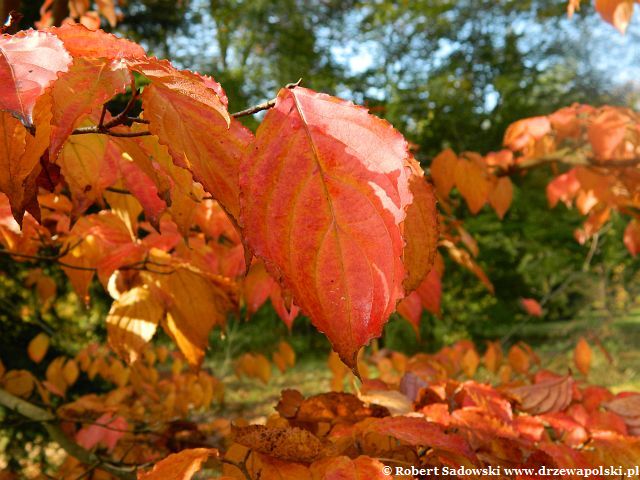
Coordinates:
285 443
628 407
333 407
549 395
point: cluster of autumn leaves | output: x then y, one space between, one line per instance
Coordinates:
323 211
427 411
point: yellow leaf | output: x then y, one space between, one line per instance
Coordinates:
195 303
132 321
38 347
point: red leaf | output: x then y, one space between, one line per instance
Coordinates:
430 292
531 306
417 431
323 196
410 308
631 237
523 133
29 62
179 466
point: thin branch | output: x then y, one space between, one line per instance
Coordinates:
138 120
105 131
102 115
122 116
120 119
264 105
140 266
121 191
30 411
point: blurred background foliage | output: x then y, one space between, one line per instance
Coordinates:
447 74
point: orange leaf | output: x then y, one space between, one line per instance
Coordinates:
89 165
564 187
18 382
493 356
472 184
443 171
284 443
343 468
331 179
189 118
470 362
582 356
79 41
606 132
531 306
179 466
87 83
519 359
38 347
617 12
420 230
501 196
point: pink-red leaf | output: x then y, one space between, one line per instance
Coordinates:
29 62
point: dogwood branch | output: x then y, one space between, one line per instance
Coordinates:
35 413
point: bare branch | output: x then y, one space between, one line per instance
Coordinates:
264 105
